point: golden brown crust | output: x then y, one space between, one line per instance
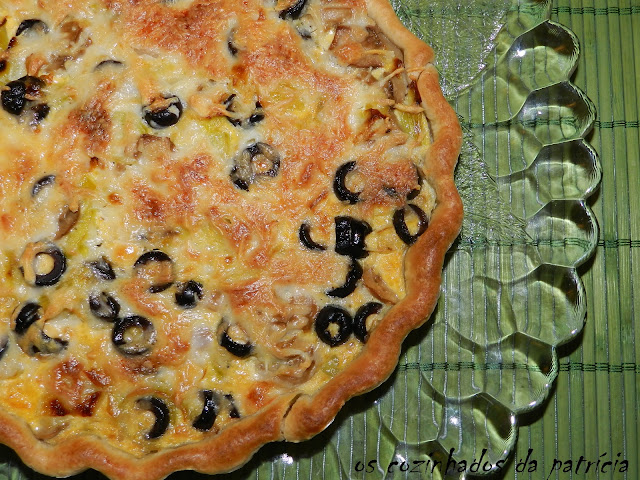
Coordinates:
221 453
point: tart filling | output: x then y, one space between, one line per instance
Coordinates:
206 212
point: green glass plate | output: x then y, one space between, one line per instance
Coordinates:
511 293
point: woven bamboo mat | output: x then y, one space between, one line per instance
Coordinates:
593 412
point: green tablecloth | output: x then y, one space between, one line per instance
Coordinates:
592 410
594 406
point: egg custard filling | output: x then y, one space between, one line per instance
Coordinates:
206 209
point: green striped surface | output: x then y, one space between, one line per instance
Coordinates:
594 408
591 408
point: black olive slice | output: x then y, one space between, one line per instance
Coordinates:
257 160
207 417
242 174
294 11
32 25
28 315
230 104
360 320
41 183
160 411
45 345
339 186
164 116
4 346
353 275
333 325
400 224
231 46
350 237
35 341
108 63
19 92
45 266
189 294
133 335
152 256
305 238
260 152
102 269
233 50
104 306
257 116
392 192
233 410
157 267
413 194
234 347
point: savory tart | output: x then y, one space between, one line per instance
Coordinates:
219 221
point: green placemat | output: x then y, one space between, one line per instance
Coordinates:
590 409
594 410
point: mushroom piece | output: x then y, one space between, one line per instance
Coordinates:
32 26
66 221
374 282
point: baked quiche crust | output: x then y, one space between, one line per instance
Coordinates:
309 405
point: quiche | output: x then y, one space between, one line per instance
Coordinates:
218 222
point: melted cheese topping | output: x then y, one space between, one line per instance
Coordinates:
207 134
